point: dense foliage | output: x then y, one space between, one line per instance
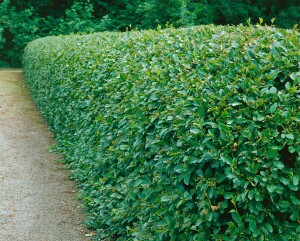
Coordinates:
177 134
22 21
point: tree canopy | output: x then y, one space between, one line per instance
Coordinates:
23 21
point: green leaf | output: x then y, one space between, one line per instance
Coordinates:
284 204
271 153
208 173
295 200
294 216
290 136
212 124
226 159
269 227
175 57
154 97
253 226
273 90
138 182
296 180
287 85
228 195
201 112
292 149
124 147
165 199
259 117
252 206
236 103
195 131
236 217
278 164
236 182
220 177
284 181
271 188
273 107
186 179
209 216
295 76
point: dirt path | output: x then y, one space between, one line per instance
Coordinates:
37 202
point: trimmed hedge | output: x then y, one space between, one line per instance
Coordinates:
178 134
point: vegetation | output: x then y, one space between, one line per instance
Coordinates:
23 21
177 134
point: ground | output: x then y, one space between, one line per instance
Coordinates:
37 201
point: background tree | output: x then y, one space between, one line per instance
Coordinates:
22 21
19 27
162 12
78 18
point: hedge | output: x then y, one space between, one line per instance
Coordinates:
178 134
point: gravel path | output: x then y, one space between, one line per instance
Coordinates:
37 201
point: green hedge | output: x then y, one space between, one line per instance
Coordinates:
178 134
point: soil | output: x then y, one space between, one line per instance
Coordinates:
37 201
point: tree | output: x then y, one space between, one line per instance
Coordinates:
78 19
22 21
289 17
161 12
18 29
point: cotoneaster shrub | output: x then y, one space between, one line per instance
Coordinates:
179 134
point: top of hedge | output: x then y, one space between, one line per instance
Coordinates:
177 134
